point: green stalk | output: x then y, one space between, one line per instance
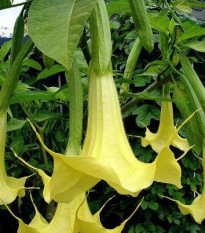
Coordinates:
17 40
11 82
193 80
101 51
75 109
131 63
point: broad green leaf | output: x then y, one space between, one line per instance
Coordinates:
33 64
15 124
45 115
183 6
117 6
49 72
145 113
159 22
28 96
190 3
48 62
191 30
63 94
56 26
197 45
131 35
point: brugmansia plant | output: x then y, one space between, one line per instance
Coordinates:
106 153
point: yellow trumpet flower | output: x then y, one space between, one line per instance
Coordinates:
10 187
73 217
165 132
106 153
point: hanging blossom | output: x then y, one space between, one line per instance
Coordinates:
165 132
106 153
73 217
10 187
196 209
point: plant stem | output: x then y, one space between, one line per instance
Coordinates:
75 109
41 132
150 88
12 78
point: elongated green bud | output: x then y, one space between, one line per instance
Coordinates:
75 110
17 40
187 102
101 51
10 84
131 63
142 23
193 80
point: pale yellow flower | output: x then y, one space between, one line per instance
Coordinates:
73 217
10 187
106 154
165 132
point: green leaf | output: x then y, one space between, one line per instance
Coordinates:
191 3
117 6
159 22
153 205
131 35
63 94
159 229
191 30
183 6
196 45
5 3
139 228
45 115
56 27
48 62
15 124
49 72
187 102
28 96
171 25
144 205
33 64
149 226
145 113
5 49
142 81
132 229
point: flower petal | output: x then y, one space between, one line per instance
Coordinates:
10 187
165 132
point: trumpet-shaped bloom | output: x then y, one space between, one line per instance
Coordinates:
165 132
10 187
73 217
106 153
196 209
